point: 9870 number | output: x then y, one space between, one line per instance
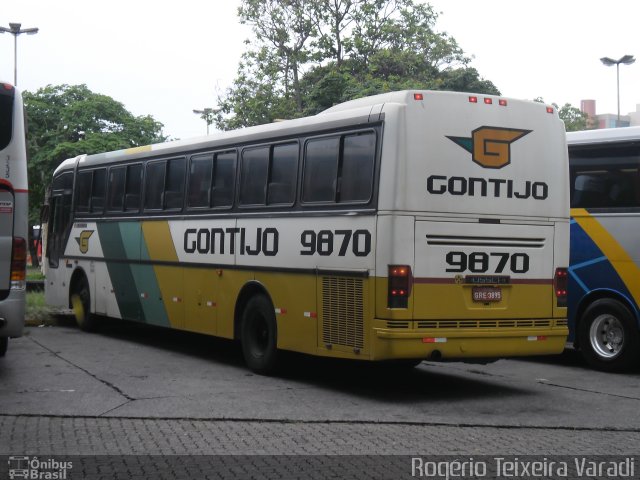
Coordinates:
325 242
481 262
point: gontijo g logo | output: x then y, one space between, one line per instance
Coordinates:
83 240
490 147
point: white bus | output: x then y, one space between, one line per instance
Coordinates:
405 226
13 214
604 293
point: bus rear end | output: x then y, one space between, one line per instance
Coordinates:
472 229
13 215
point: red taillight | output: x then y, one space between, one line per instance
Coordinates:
560 286
418 96
399 286
502 102
473 99
19 263
488 101
549 109
7 86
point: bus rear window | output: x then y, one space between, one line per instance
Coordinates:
6 116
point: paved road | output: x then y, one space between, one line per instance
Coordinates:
136 390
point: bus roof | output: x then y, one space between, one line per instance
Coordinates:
603 135
353 112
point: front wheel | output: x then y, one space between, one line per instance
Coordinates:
81 304
259 335
609 337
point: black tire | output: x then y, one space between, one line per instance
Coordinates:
608 336
81 304
259 335
4 344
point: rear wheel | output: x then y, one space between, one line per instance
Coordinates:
81 304
259 335
4 344
609 337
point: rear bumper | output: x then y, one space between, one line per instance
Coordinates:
12 310
467 343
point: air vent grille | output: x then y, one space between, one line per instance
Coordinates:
397 324
342 311
522 323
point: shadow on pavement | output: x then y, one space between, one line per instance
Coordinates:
386 382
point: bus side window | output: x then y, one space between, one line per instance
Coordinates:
154 185
83 191
356 178
320 170
636 186
224 179
199 183
589 191
174 184
253 176
283 174
98 190
133 187
115 192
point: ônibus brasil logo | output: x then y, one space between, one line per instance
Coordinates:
490 147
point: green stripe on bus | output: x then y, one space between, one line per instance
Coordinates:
122 279
147 283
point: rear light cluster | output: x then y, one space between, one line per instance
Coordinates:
560 286
399 286
19 263
488 100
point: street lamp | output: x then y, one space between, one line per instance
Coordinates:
207 115
627 60
15 30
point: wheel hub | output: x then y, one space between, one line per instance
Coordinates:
607 336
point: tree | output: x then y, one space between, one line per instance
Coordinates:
574 119
308 55
68 120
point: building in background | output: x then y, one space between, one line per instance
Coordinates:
608 120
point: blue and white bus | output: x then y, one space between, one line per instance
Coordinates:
13 214
604 277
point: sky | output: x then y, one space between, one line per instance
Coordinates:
166 59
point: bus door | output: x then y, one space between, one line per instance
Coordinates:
6 239
58 232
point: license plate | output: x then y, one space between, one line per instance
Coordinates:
486 294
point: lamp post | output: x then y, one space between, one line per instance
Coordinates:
207 114
15 30
627 60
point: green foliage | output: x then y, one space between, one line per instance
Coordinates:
37 311
574 119
308 55
68 120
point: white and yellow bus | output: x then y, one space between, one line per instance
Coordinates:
410 225
13 214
